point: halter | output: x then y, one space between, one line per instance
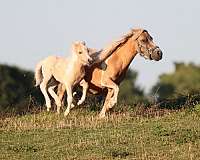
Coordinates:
149 51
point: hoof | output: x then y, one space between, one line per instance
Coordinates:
72 105
66 113
79 103
74 94
58 112
102 116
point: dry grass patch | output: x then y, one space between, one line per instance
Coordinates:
81 135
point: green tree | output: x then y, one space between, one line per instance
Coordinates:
183 81
16 86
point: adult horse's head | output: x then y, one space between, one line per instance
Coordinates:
145 45
81 51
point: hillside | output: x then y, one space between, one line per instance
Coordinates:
131 134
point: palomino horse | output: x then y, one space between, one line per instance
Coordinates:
65 71
105 77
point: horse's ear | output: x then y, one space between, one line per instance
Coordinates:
137 33
83 42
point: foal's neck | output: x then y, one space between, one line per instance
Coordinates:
76 63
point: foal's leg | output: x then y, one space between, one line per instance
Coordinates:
69 98
43 86
85 86
55 97
113 93
61 92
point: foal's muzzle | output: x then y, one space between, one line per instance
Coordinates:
90 61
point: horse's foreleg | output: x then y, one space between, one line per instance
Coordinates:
55 97
69 99
113 97
113 100
85 86
105 106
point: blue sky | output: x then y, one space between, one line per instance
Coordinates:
33 29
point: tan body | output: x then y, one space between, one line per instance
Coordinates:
114 68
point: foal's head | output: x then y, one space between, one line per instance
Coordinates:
81 52
146 47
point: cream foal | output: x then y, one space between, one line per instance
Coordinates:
68 72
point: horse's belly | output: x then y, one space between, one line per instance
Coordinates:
96 78
95 86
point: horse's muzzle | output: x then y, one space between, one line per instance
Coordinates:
156 54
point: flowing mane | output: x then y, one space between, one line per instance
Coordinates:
118 43
107 51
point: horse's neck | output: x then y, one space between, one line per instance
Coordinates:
127 52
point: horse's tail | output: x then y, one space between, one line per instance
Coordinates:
38 74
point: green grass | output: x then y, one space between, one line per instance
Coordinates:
81 135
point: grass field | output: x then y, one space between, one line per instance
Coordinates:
128 134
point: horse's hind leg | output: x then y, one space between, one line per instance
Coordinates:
55 97
43 86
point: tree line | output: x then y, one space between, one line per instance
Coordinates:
17 88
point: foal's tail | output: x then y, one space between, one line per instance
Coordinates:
38 74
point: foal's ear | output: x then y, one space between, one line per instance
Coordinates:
79 43
75 46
